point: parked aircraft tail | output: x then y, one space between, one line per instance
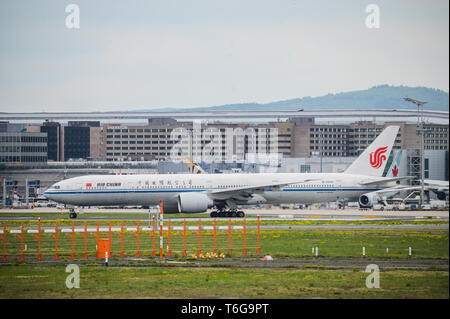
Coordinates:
393 170
374 158
197 169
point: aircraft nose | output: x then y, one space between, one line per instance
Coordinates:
47 194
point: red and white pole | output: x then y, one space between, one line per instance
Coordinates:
73 240
38 237
4 242
153 236
138 254
121 240
245 239
169 253
215 250
55 236
229 236
85 240
184 238
199 236
21 243
258 251
161 233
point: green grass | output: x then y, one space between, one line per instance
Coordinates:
114 282
192 220
346 242
425 243
22 280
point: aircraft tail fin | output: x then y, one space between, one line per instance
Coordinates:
196 169
393 170
374 158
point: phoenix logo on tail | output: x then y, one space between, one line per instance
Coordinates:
377 157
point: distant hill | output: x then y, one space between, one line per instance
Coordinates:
377 97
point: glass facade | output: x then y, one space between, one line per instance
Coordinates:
23 148
76 142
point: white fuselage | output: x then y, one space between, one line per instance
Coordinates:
148 190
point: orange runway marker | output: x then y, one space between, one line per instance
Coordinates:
229 236
153 234
55 236
85 240
121 239
214 252
98 231
244 233
161 231
73 240
21 243
199 233
107 235
138 254
168 239
184 238
214 236
4 242
38 237
258 251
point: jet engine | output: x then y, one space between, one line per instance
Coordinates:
367 200
441 195
193 203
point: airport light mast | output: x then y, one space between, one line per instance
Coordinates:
420 131
191 141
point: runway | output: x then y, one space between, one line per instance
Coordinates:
275 214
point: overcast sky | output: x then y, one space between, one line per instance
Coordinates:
130 55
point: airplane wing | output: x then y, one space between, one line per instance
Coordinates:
385 180
394 190
397 189
438 187
442 192
246 191
436 183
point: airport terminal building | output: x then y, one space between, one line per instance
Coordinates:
293 139
302 144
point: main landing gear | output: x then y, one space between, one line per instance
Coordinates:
227 213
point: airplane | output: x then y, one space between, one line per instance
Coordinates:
381 195
196 193
440 188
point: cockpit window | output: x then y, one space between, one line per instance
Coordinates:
56 187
